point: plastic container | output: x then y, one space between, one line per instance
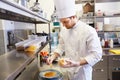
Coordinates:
111 43
20 45
99 26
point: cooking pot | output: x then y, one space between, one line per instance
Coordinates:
48 75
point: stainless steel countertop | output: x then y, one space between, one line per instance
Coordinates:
32 71
12 63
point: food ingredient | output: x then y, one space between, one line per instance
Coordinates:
62 62
50 74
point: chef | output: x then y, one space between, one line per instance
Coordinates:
78 40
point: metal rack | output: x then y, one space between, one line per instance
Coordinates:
13 11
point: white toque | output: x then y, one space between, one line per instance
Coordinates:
65 8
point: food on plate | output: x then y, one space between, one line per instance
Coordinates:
50 74
62 62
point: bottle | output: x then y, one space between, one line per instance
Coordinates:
106 43
111 43
103 43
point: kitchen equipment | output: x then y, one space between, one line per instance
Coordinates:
36 8
88 7
114 67
50 74
100 70
108 27
99 26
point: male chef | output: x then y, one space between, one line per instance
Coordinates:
78 40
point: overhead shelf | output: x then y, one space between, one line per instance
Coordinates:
83 1
108 31
108 16
13 11
101 1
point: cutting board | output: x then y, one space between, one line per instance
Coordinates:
115 51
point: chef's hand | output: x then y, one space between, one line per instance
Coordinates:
70 63
51 58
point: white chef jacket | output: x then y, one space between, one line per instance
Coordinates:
81 41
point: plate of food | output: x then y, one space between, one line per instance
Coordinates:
50 74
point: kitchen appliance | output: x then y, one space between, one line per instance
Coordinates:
114 67
107 69
100 70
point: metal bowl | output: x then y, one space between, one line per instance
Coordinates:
58 75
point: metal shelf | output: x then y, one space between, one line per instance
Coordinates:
115 47
87 17
92 17
14 62
107 16
83 1
15 12
101 1
107 31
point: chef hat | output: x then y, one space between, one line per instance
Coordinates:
65 8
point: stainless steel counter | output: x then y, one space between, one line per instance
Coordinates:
18 64
12 63
32 71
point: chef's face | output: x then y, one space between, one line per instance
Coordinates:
68 22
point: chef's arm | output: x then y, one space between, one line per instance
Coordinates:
83 62
94 48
